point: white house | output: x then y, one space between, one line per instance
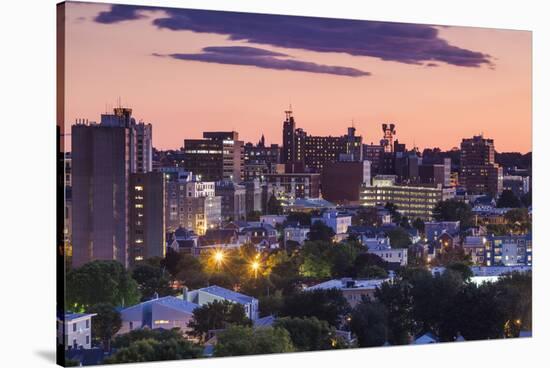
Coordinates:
167 312
75 330
382 248
272 220
337 221
209 294
296 233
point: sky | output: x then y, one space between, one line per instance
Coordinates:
189 71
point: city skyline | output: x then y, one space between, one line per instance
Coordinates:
186 69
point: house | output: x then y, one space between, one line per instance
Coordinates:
183 240
509 250
381 247
298 234
209 294
427 338
263 236
337 221
434 229
267 321
272 220
219 237
354 290
74 330
474 246
166 312
85 357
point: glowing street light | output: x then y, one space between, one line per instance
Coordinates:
218 257
255 265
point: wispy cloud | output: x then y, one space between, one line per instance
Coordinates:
399 42
252 56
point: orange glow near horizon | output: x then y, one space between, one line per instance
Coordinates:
431 106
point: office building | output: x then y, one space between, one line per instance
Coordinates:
233 200
147 216
479 173
218 156
413 201
260 160
295 185
100 177
519 185
190 204
314 151
341 181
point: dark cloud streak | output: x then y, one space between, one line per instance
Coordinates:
251 56
399 42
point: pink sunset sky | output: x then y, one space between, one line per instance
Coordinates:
192 72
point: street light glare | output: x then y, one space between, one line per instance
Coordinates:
218 256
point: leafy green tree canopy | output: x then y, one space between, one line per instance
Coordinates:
100 282
241 340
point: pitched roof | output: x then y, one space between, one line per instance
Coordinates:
73 316
228 294
168 301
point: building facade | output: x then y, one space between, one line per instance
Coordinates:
295 185
218 156
413 201
233 200
147 216
342 181
479 173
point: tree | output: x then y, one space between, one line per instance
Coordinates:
368 265
303 218
217 315
454 210
190 272
316 262
320 231
171 260
366 216
526 199
395 214
274 206
368 323
462 268
148 350
433 298
253 216
100 282
515 298
508 199
309 333
105 324
152 280
399 237
240 340
517 215
271 305
327 305
159 334
342 258
419 225
396 298
476 313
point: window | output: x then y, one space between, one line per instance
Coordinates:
87 323
74 327
87 339
131 325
